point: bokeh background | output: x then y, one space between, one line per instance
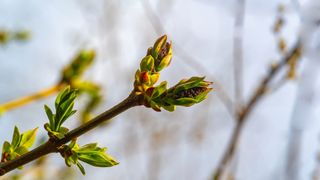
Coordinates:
189 143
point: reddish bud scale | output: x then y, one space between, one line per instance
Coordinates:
149 91
190 93
4 157
144 77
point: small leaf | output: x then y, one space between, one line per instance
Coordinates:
81 168
16 138
98 159
158 90
170 108
21 150
6 147
50 115
28 138
147 63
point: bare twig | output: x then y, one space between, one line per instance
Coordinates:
255 98
238 52
51 146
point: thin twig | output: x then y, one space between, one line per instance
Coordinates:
242 116
238 53
30 98
51 146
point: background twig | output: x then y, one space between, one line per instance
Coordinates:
255 98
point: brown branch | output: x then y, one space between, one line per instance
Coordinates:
51 146
245 112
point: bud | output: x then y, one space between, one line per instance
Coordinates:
161 52
158 45
147 63
164 57
188 92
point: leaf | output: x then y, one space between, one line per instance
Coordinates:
147 63
89 147
6 147
21 150
98 159
81 168
158 90
28 137
170 108
16 138
50 116
60 95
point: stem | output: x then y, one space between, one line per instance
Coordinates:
51 146
28 99
242 115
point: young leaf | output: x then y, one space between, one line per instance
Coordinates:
98 159
16 138
81 168
50 116
28 137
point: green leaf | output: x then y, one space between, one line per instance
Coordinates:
21 150
81 168
158 90
28 137
89 147
50 116
164 62
6 147
170 108
61 95
147 63
16 138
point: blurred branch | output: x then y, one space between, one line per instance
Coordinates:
255 98
238 52
187 58
30 98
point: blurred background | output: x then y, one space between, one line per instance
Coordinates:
234 43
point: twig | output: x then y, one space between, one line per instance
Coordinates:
51 146
238 53
242 116
30 98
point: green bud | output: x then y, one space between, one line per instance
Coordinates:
158 45
147 63
164 62
186 93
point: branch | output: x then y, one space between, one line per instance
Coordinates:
255 98
30 98
51 146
